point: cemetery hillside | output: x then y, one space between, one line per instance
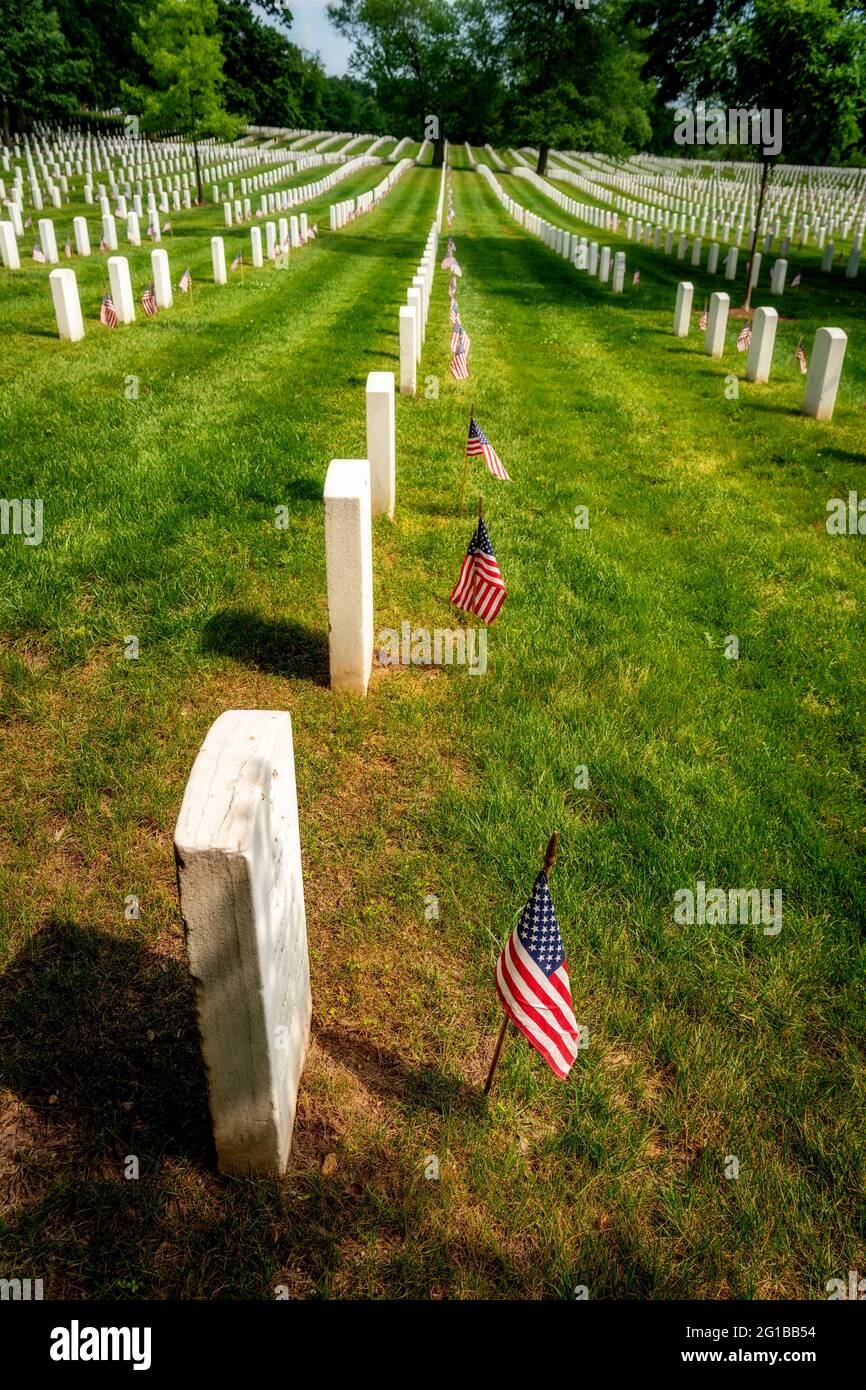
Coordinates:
432 681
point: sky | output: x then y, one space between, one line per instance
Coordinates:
312 30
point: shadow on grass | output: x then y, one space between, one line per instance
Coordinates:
98 1035
279 648
384 1072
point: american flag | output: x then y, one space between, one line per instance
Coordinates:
455 268
704 320
744 342
38 255
148 302
28 221
185 282
478 443
67 250
152 231
103 245
447 262
796 280
107 312
315 231
459 338
635 279
459 366
454 313
480 588
237 262
801 358
167 227
533 985
452 287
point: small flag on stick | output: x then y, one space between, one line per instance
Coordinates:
184 284
744 342
796 280
107 311
635 279
480 588
148 302
532 981
801 358
237 262
459 367
704 320
38 255
478 443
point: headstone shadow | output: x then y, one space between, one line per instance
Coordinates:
98 1035
278 647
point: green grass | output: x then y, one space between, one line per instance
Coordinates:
706 519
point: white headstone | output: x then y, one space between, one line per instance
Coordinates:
618 272
67 307
121 288
717 322
825 372
218 258
82 237
9 246
47 240
161 278
413 297
381 441
240 880
109 231
349 563
760 358
408 351
683 309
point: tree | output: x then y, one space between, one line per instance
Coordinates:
179 40
405 49
38 74
803 59
574 76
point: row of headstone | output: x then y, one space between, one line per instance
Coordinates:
346 211
701 198
583 255
825 364
413 315
67 303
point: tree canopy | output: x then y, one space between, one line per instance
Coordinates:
581 74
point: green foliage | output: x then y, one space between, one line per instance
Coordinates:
576 76
38 74
803 57
179 40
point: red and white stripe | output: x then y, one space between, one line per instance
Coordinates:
539 1005
479 589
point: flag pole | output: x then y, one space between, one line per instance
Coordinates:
466 457
549 861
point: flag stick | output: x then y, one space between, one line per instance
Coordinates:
466 457
549 861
